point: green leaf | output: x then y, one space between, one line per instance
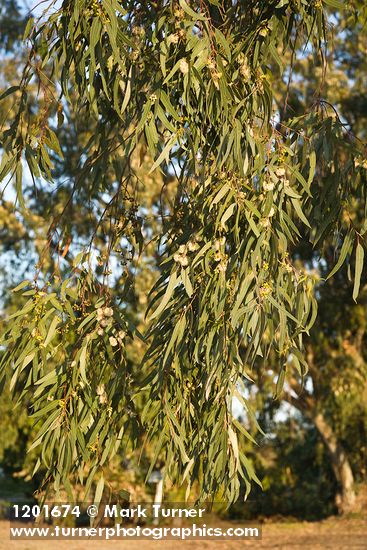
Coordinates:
172 72
173 280
276 56
99 490
18 184
186 281
124 495
234 442
82 361
345 249
164 154
358 270
21 285
127 93
338 4
243 430
52 330
9 91
228 213
168 105
95 32
223 42
312 160
196 16
280 382
300 214
221 193
53 142
28 28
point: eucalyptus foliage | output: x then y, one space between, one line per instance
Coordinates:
192 86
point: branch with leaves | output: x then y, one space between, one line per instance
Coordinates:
192 85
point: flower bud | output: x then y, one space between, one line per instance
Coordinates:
184 66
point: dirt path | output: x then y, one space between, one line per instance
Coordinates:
334 533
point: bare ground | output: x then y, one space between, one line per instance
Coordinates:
333 533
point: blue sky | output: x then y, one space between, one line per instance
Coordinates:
38 7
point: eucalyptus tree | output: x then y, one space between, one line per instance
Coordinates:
336 380
190 86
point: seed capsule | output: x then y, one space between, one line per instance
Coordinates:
184 66
113 341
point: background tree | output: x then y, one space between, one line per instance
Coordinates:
336 381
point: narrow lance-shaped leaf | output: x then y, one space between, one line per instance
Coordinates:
358 269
